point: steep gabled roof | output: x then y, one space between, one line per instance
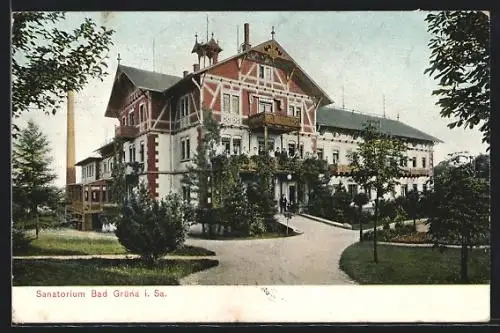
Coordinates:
344 119
326 99
148 80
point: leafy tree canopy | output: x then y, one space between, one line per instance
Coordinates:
460 60
47 62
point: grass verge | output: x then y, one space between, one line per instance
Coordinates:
88 272
69 242
411 265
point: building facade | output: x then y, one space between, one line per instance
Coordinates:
263 100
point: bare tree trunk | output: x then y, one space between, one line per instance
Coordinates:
360 225
375 255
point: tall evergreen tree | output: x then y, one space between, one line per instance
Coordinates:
32 175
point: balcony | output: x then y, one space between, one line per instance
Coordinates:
276 123
339 169
417 172
126 132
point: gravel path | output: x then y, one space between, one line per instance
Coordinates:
310 258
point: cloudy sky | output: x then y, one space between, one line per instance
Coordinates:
356 57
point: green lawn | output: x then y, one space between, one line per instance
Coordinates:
410 265
87 272
73 242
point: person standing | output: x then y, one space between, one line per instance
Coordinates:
283 203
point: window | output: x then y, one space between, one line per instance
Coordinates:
265 106
235 104
231 103
352 189
131 118
141 113
226 143
185 149
403 162
270 146
291 149
184 106
236 146
131 154
226 103
124 121
368 192
291 110
415 187
186 194
414 162
404 190
424 162
105 167
335 156
298 112
269 73
141 152
265 73
111 166
86 195
301 151
319 152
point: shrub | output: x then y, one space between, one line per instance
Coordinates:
256 226
152 228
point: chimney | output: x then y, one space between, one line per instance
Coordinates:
70 140
246 42
196 67
185 73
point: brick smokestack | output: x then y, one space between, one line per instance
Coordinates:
185 73
246 42
196 67
70 139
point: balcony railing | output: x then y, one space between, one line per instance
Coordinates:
127 132
339 169
274 122
417 172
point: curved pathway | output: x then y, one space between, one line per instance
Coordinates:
311 258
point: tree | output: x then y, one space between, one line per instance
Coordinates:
32 175
413 206
360 199
47 62
376 165
460 59
341 201
481 165
461 211
197 176
152 228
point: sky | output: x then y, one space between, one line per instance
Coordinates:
360 59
